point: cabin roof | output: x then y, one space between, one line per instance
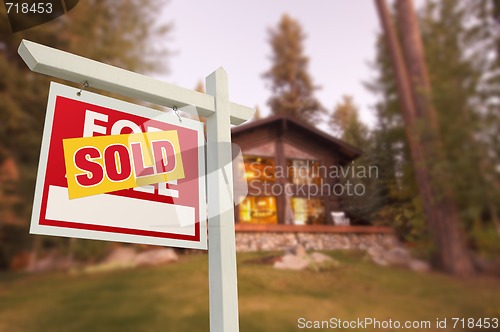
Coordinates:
287 123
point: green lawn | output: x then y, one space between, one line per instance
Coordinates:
175 297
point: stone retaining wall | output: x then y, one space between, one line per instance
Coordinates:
280 241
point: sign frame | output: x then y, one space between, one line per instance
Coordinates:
220 113
59 90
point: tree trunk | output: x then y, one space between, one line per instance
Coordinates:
35 251
494 217
440 209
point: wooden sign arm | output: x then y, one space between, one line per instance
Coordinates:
50 61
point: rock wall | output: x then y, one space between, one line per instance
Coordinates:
280 241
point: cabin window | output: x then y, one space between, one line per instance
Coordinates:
258 210
303 172
308 211
259 168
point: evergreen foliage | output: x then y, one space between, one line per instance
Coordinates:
291 84
460 44
120 33
346 124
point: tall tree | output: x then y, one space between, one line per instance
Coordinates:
291 84
200 87
483 43
257 115
122 33
396 193
345 123
421 125
458 38
460 50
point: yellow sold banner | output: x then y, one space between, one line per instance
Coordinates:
102 164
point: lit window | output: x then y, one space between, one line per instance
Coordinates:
258 210
308 211
259 168
303 172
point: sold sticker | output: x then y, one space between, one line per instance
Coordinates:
103 164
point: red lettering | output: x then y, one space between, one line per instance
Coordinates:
117 161
140 168
94 173
164 154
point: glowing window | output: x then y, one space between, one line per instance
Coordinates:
258 210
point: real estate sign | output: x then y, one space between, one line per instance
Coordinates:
168 213
112 170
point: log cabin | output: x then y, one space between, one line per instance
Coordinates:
287 167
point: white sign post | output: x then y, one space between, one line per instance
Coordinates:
222 251
220 113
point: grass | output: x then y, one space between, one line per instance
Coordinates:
175 297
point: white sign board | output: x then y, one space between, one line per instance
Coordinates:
169 213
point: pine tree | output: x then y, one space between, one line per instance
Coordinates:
464 87
200 87
422 132
460 38
257 115
121 33
291 84
458 41
345 123
483 41
396 192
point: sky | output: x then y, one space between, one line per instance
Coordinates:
340 44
